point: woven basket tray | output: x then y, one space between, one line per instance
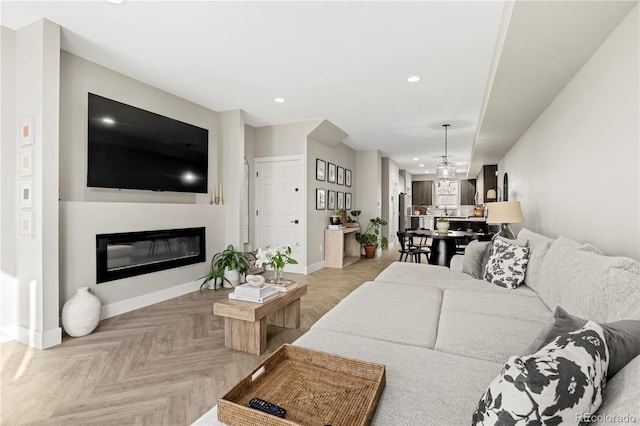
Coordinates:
316 388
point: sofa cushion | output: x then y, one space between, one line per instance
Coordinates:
505 305
487 337
441 277
620 403
507 264
623 337
563 380
539 246
589 285
475 258
422 386
393 312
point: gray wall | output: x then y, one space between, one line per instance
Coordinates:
88 211
576 169
340 155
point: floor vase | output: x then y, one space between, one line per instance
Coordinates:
81 313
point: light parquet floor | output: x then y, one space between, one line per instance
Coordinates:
164 364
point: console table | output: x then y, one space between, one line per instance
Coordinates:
340 247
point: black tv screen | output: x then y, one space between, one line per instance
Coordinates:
130 148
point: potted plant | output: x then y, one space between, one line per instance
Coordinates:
227 266
369 238
214 278
277 258
336 217
355 214
442 224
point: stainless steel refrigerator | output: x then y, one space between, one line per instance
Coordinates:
404 221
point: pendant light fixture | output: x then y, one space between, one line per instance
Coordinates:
445 170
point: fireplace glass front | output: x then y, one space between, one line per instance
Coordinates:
128 254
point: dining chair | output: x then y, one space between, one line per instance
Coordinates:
407 250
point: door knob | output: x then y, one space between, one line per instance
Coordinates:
293 221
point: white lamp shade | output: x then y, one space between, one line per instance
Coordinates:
505 212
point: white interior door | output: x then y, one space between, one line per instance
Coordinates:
280 195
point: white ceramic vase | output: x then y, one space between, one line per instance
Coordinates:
81 313
233 276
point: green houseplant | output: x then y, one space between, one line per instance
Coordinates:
369 238
226 266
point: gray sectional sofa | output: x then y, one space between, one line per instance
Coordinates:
444 335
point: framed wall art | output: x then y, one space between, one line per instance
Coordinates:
331 173
340 200
347 201
321 169
25 228
25 131
321 199
331 200
25 194
25 162
347 177
340 175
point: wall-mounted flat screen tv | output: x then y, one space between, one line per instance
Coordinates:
130 148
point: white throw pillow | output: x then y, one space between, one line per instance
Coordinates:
507 264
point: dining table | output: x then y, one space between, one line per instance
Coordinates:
443 247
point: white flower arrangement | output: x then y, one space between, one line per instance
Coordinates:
275 257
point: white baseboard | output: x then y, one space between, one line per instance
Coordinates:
314 267
38 339
8 333
138 302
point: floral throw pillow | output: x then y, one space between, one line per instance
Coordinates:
561 383
507 264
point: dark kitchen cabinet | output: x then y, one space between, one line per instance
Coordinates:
468 192
422 192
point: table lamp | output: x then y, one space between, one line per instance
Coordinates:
504 213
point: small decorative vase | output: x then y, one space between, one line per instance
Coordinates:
81 313
277 275
442 227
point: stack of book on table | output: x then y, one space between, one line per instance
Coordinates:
286 285
249 293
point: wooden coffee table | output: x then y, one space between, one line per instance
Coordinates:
245 323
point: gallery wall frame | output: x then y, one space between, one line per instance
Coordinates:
347 177
331 200
321 199
25 226
340 179
340 200
26 131
25 162
321 169
25 194
331 173
347 201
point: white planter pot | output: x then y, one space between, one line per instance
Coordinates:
81 313
214 283
442 226
233 276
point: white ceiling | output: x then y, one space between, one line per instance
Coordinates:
347 62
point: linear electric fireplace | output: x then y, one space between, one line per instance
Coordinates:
128 254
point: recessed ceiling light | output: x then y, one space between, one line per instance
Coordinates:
415 159
426 171
116 1
420 165
413 79
279 100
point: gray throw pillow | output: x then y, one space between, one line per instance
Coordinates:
475 258
622 337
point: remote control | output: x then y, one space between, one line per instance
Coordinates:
267 407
